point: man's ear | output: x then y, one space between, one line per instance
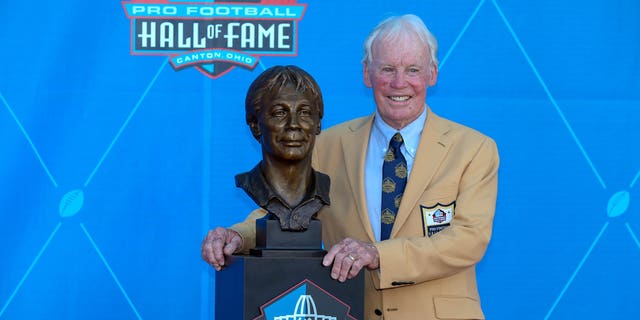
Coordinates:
365 75
255 129
434 75
318 128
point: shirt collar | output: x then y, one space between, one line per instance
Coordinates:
257 187
410 134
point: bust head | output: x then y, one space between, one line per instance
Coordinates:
284 109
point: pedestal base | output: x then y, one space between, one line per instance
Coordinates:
277 286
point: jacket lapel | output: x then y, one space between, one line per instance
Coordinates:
354 149
433 146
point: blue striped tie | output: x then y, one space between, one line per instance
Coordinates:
394 179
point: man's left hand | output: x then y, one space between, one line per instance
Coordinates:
349 256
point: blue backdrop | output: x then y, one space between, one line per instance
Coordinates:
114 165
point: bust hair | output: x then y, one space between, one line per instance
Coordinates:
276 78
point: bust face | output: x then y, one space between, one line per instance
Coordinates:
289 122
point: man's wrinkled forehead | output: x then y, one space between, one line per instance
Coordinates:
395 49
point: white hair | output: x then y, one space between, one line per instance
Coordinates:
398 27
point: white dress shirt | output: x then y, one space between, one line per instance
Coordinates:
381 134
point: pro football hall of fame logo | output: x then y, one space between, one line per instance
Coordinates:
305 301
214 36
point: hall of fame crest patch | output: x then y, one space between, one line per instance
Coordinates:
437 217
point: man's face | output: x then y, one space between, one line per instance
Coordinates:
399 74
288 124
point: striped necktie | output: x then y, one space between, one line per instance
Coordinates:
394 179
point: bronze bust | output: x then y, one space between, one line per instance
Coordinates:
284 109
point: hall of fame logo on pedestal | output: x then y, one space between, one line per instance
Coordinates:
305 309
214 36
305 301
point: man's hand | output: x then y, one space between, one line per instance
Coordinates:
219 243
349 256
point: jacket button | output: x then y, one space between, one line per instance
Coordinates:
377 312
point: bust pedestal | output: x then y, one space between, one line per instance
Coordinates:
284 277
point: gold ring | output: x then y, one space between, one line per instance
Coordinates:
351 257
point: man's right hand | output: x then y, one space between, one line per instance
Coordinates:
218 244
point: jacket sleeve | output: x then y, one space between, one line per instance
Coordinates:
247 229
409 259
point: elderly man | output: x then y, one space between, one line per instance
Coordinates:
413 194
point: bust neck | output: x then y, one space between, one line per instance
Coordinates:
289 179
